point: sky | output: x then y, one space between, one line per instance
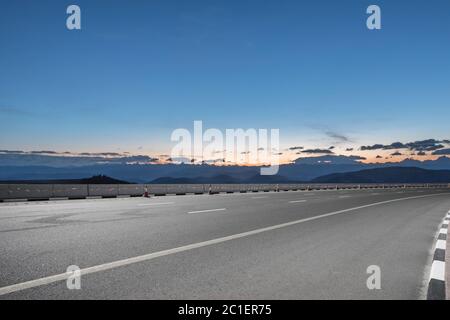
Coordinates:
137 70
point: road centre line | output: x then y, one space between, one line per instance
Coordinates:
208 210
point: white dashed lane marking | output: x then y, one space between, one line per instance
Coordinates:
208 210
297 201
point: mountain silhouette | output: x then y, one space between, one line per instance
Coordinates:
99 179
388 175
303 169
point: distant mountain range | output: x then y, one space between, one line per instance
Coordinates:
377 175
223 179
100 179
388 175
303 169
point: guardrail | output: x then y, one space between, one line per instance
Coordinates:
83 191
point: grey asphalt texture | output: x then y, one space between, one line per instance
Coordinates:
324 258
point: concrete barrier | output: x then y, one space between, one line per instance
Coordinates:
70 190
75 191
131 190
4 191
103 190
29 191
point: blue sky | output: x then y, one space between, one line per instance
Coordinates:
138 70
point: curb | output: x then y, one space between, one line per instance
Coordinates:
436 285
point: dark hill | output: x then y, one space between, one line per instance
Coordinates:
100 179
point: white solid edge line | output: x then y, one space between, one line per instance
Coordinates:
438 270
296 201
441 244
154 204
150 256
208 210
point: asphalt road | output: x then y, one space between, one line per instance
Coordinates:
304 245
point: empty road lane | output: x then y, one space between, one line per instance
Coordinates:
275 245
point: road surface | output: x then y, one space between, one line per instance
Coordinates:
286 245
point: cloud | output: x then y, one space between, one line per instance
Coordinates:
357 157
421 153
331 148
379 157
339 137
180 160
442 152
68 153
373 147
349 149
395 145
435 147
318 151
100 154
44 152
421 145
396 154
58 159
11 151
425 145
295 148
330 159
213 161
